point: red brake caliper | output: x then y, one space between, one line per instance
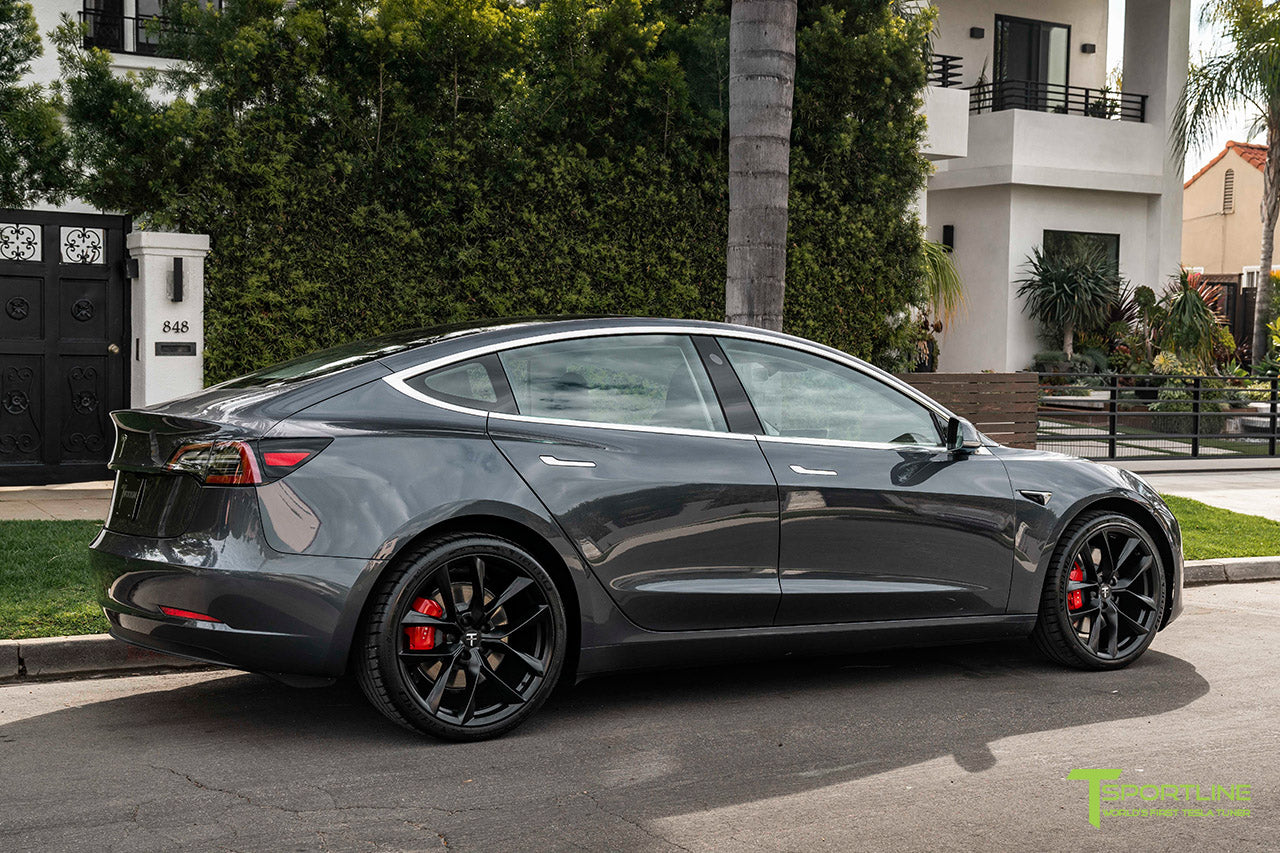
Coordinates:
1075 599
424 639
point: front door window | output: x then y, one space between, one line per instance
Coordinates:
799 395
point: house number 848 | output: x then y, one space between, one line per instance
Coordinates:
176 327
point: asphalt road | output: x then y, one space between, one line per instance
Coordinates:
960 748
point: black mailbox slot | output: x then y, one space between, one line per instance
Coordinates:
175 347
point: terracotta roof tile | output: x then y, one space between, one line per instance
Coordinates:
1254 155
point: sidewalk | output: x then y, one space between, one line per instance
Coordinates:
1248 492
56 503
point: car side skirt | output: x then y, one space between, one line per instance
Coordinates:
654 649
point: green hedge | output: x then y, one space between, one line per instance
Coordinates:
442 160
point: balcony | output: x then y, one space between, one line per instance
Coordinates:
1057 98
139 36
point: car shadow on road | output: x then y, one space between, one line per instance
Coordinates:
669 739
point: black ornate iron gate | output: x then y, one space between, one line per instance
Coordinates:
64 328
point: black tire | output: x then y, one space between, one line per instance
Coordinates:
1121 585
498 661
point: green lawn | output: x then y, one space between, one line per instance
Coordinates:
44 579
45 589
1209 532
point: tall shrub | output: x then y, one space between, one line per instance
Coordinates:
363 167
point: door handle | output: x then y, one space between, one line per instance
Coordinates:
567 463
813 472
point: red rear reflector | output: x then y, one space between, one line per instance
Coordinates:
424 639
187 614
284 458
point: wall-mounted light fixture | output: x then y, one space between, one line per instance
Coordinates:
949 237
131 267
175 289
977 33
1088 47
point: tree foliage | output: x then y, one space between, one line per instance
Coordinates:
366 166
33 147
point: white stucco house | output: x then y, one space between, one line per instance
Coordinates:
1027 144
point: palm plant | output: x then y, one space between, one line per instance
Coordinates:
1189 322
943 287
1070 288
1245 73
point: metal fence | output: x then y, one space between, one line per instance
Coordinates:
1057 98
1132 416
944 70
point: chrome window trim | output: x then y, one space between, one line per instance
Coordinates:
398 381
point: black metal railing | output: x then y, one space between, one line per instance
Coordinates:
1057 98
1138 416
944 70
122 33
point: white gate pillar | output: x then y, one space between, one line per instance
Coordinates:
167 315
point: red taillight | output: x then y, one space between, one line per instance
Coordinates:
218 463
285 458
187 614
424 639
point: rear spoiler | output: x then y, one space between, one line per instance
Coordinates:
146 441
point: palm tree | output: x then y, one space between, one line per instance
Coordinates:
762 67
1246 73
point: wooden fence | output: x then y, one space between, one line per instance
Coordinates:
1003 405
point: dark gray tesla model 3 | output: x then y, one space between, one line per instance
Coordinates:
462 516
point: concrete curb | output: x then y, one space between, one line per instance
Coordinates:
89 654
1231 570
94 654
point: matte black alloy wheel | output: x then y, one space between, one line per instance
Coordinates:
1104 598
465 641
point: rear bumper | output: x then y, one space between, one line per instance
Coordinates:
280 613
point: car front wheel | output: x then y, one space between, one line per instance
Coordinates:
1104 595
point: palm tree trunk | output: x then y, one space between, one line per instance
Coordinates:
762 65
1069 339
1270 211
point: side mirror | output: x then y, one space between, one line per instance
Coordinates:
962 435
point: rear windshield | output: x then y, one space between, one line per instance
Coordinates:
327 361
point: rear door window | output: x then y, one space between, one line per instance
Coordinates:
634 380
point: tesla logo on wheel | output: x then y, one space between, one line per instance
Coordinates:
471 639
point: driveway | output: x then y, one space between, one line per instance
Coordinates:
955 748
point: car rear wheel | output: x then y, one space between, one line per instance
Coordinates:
463 640
1104 594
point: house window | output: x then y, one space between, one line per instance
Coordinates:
108 27
1229 191
1060 241
1032 61
104 24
